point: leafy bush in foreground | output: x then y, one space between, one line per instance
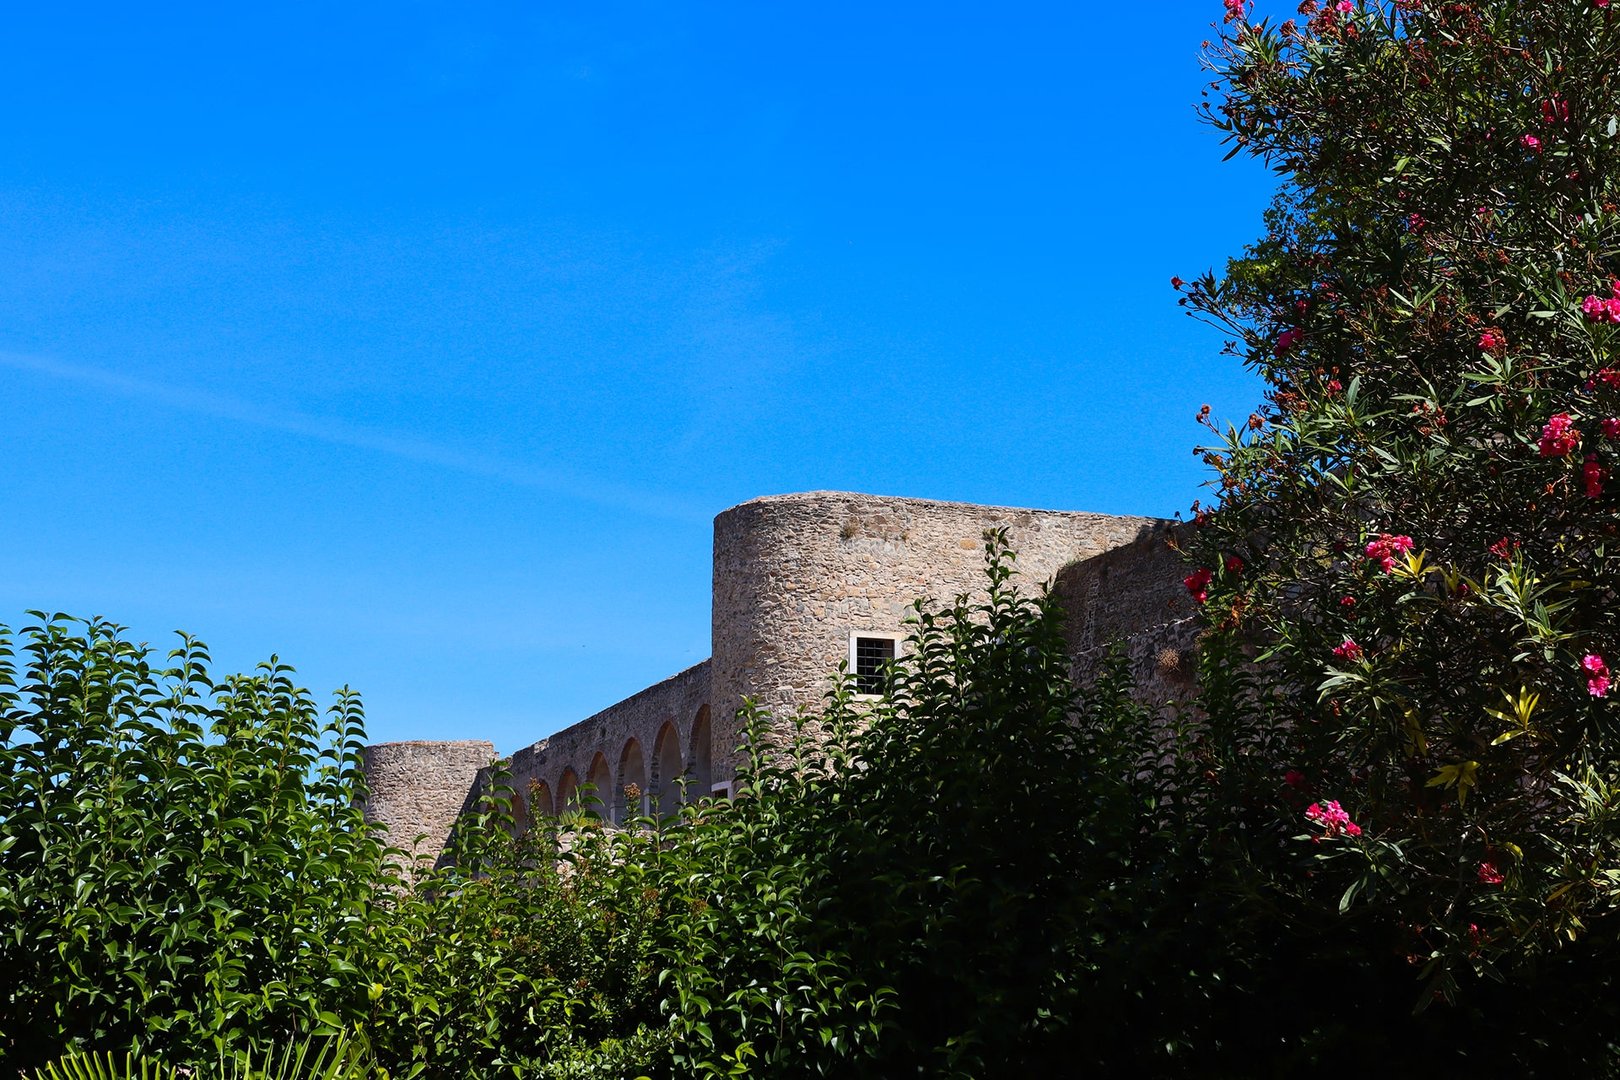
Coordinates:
182 864
1415 538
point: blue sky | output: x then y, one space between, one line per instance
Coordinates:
420 343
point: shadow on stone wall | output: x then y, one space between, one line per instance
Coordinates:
1133 595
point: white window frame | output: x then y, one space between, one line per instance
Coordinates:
899 639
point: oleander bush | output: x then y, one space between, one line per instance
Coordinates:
1411 543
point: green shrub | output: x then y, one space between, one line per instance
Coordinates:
182 863
520 956
1421 775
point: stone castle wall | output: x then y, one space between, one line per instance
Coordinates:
1132 596
651 740
795 578
796 575
417 789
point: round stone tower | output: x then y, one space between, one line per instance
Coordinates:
417 789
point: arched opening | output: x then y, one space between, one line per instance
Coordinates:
700 775
666 787
568 791
520 815
540 804
600 801
630 797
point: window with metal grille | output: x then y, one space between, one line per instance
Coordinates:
872 655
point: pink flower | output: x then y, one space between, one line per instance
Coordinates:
1415 222
1286 340
1559 437
1294 778
1608 377
1234 9
1349 650
1597 682
1491 340
1489 874
1344 7
1592 476
1600 310
1197 583
1384 549
1333 818
1504 548
1555 111
1176 283
1530 143
1611 427
1347 602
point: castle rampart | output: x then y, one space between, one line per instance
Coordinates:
648 741
795 576
803 583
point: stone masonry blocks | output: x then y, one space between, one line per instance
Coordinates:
417 789
795 576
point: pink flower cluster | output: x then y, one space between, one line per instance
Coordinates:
1234 9
1597 675
1287 340
1592 475
1600 310
1559 436
1333 819
1384 549
1348 650
1492 341
1504 548
1530 143
1197 583
1489 873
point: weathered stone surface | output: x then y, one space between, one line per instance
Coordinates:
650 739
417 789
796 575
795 578
1133 595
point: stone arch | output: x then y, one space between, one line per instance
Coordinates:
699 767
630 796
568 791
540 801
600 801
520 814
666 787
